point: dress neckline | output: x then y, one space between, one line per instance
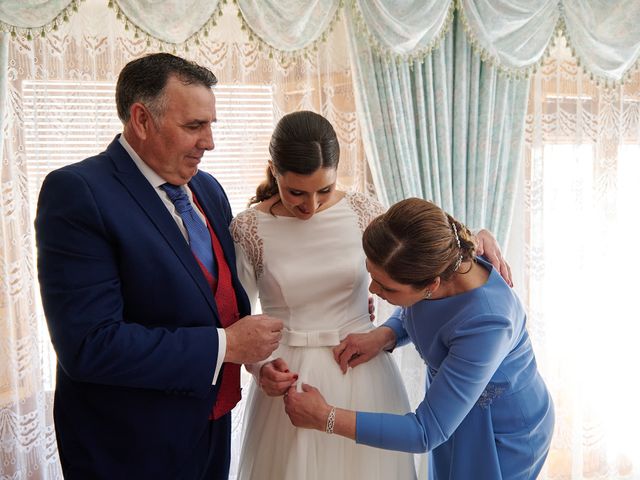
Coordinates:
296 218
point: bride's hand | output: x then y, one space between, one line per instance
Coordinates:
487 245
275 377
372 310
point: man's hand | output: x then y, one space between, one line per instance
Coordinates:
488 246
275 378
252 338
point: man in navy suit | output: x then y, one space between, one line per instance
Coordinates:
149 332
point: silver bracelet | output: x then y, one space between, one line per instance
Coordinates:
331 420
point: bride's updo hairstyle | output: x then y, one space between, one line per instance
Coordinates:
416 241
302 142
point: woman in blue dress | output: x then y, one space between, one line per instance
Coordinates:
487 413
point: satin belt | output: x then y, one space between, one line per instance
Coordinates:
325 338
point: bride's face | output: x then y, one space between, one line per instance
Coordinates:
304 195
395 293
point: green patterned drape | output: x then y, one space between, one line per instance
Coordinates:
448 128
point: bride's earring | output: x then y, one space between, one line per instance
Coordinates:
427 295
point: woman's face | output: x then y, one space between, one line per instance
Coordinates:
395 293
304 195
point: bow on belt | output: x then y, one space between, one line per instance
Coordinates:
325 338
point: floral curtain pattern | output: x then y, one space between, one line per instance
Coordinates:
512 34
288 25
603 35
412 28
27 437
446 128
515 33
407 48
319 82
35 13
171 21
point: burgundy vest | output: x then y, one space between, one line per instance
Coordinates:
225 296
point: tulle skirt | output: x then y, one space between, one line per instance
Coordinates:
273 449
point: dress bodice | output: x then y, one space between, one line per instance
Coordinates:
309 273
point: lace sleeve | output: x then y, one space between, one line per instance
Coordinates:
244 231
365 207
248 246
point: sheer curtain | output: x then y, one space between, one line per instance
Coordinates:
27 438
580 212
92 47
298 48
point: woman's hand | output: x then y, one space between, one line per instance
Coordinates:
306 409
275 377
488 246
358 348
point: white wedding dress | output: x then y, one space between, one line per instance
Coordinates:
311 274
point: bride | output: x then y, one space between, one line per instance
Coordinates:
299 249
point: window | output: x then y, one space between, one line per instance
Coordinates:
587 289
242 134
67 121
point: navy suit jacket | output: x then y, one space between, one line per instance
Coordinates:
131 318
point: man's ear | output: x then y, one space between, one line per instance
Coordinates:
140 120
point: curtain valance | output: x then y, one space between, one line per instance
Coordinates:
512 34
34 16
170 21
604 35
288 25
408 28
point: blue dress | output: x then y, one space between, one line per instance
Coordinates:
487 414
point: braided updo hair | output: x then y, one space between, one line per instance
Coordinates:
416 241
302 143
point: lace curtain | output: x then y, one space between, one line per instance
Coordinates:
27 437
512 34
581 198
94 46
298 48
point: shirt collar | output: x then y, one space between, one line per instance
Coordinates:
153 178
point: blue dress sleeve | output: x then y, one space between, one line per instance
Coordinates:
476 350
396 323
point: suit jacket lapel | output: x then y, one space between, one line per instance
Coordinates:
144 194
219 216
216 219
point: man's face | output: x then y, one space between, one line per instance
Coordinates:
177 139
